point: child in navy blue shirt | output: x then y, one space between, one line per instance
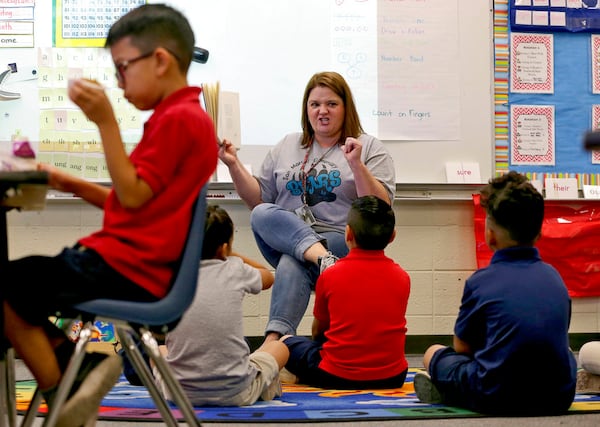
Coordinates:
512 326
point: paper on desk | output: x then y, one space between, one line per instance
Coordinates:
17 155
9 162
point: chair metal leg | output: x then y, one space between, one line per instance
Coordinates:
11 382
4 422
31 413
8 407
176 391
132 351
135 356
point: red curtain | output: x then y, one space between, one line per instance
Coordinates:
570 242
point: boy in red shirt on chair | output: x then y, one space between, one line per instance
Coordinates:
147 211
359 326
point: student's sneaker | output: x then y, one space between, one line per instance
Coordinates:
273 390
84 403
287 377
587 383
89 362
426 391
129 370
326 261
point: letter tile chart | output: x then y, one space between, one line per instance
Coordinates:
68 140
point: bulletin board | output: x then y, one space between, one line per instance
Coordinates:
565 98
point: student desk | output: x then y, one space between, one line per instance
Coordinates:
23 190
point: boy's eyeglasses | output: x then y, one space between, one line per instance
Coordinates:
122 66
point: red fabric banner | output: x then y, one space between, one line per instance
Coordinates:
570 242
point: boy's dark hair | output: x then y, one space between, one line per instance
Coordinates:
218 229
515 205
372 220
156 25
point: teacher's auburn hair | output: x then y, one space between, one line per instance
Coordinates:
337 83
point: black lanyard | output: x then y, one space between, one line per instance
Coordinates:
303 174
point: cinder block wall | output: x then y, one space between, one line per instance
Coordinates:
434 243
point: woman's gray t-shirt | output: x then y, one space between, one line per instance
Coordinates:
330 182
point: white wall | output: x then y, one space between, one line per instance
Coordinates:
434 243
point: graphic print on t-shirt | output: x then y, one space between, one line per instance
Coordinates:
321 180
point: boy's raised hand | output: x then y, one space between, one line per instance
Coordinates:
90 96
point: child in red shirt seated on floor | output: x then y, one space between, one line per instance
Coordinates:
359 327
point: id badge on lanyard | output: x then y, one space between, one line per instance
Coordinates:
305 214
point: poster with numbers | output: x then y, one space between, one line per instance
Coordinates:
85 23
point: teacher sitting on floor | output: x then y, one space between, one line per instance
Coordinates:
301 196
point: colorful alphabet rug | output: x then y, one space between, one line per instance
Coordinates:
298 404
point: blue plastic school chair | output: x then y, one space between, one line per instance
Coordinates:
135 324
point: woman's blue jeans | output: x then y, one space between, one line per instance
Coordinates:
283 238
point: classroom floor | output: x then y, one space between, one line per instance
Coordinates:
414 361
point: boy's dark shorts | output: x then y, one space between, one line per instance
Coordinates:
304 360
447 365
448 370
40 286
451 373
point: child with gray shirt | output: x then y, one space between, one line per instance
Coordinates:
207 350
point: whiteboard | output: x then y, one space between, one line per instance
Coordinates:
267 50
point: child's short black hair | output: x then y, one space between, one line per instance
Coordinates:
372 220
515 205
218 229
156 25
